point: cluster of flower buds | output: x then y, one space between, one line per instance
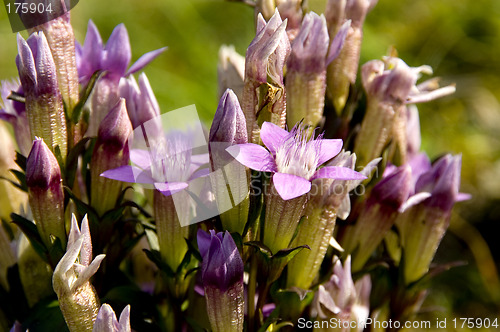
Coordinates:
271 221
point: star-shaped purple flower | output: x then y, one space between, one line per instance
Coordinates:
293 159
169 165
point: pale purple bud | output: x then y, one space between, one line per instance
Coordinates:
111 151
46 195
222 277
264 93
343 70
106 320
229 121
78 299
44 105
341 298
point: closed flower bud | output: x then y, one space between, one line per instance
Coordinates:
222 277
230 178
46 196
110 151
44 105
342 71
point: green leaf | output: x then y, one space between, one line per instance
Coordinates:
56 252
77 111
21 161
289 253
195 252
81 206
72 161
155 257
29 229
261 247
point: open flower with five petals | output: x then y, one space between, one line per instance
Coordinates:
293 159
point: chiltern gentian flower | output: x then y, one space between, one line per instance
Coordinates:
46 195
329 200
78 299
229 128
342 71
341 298
114 58
426 218
222 277
44 104
293 159
110 151
106 320
14 112
264 92
306 70
390 85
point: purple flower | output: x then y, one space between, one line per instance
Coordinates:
343 299
44 104
264 62
293 159
14 112
222 264
114 57
306 69
46 195
222 277
169 164
78 300
106 320
142 105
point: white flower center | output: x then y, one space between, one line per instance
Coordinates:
295 156
171 158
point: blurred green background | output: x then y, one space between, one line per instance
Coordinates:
459 39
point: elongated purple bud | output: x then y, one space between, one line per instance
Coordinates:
289 9
44 105
61 40
222 277
342 71
111 151
378 216
306 73
46 196
230 178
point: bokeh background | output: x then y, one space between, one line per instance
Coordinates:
459 39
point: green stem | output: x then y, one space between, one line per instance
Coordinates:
252 285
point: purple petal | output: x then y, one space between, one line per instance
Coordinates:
92 51
338 173
170 188
128 174
463 197
200 173
328 148
414 200
141 158
204 240
118 52
290 186
272 136
145 60
338 42
200 159
253 156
